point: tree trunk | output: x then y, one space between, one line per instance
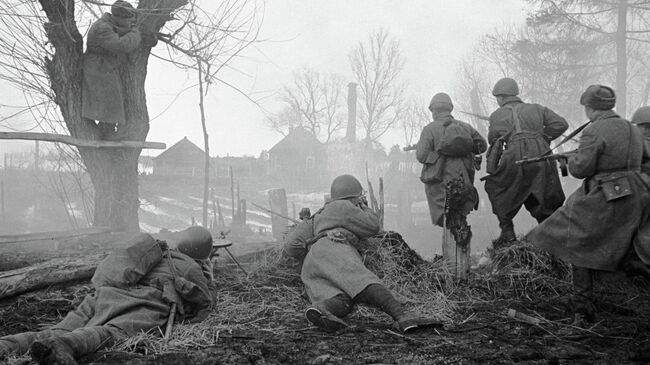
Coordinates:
621 59
113 172
206 145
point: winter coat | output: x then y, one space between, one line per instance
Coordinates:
106 49
446 168
590 231
146 305
332 265
510 186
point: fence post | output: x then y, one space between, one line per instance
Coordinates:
278 203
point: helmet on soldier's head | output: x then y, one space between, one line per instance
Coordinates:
642 115
598 97
122 9
195 242
345 186
506 87
441 102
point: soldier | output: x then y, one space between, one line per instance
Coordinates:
110 39
134 289
527 130
441 165
606 218
641 118
333 273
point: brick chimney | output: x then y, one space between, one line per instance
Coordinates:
351 133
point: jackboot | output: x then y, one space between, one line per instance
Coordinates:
327 314
64 349
581 304
379 296
507 231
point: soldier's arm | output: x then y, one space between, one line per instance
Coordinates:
554 125
362 220
583 163
498 127
297 240
480 145
195 291
425 145
114 43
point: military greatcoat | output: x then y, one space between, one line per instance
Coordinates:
332 265
437 169
511 185
596 227
106 49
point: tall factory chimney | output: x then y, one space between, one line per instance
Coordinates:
351 133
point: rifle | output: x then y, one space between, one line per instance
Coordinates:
479 116
562 159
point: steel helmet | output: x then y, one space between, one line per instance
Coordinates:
506 87
642 115
345 186
195 242
441 101
122 9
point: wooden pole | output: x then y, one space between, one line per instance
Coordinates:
232 193
2 201
278 203
37 154
49 137
221 221
242 213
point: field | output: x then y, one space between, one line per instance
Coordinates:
258 318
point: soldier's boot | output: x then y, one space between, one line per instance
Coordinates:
18 344
507 231
581 304
64 349
327 314
380 297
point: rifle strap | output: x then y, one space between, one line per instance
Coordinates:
570 136
516 121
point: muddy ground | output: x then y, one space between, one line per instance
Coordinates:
258 320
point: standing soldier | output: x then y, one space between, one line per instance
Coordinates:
527 130
605 220
446 149
110 39
641 118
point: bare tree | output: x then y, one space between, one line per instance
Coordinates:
314 101
414 118
41 51
621 25
377 64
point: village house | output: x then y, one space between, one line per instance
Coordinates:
298 160
182 159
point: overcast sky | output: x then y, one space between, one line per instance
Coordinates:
434 36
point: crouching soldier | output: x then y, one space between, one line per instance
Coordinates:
135 288
606 219
334 276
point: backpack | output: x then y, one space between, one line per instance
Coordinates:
126 266
456 140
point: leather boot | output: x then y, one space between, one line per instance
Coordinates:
52 351
379 296
327 314
581 304
507 231
64 349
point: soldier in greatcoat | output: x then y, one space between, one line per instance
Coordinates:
110 39
128 301
333 273
439 168
528 129
606 219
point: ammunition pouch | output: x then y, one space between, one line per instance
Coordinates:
493 155
615 186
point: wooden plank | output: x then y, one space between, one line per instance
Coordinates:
449 251
62 138
462 261
41 236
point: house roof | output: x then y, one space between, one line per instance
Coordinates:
299 139
184 151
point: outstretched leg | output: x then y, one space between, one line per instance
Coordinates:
327 314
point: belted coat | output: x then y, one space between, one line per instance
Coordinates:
510 186
608 214
106 49
446 168
332 265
